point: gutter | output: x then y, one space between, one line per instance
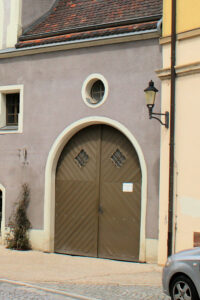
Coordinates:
172 131
159 26
88 42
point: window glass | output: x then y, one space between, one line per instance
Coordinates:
12 109
97 91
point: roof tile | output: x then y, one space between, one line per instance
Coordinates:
89 18
88 34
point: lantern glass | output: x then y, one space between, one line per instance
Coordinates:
150 97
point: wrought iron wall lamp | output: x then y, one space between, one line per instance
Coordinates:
150 93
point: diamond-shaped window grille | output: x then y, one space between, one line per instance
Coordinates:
118 158
82 158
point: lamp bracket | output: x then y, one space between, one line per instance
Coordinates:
152 114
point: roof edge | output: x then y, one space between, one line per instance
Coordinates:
100 41
24 37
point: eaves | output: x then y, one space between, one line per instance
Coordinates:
84 43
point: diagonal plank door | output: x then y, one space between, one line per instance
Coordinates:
77 194
98 192
120 197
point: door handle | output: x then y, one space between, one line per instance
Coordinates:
100 210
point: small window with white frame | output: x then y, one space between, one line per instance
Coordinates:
94 90
11 100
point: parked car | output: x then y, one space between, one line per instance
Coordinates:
181 275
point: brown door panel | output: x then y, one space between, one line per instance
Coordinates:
77 195
119 225
94 215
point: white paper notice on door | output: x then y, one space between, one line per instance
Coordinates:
127 187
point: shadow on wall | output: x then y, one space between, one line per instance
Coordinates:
32 10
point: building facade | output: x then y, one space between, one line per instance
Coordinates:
74 126
186 196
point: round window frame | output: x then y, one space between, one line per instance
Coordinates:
86 90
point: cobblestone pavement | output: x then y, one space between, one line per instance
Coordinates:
18 292
113 292
101 292
63 276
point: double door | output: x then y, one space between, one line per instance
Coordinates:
98 196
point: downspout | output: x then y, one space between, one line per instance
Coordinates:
172 130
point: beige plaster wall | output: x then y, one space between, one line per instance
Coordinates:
187 148
187 160
18 14
1 23
164 178
187 15
188 51
10 22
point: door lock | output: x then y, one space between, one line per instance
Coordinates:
100 210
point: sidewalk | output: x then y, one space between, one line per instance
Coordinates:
39 267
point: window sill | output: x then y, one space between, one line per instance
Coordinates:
9 129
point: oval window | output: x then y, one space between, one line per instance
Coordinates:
95 90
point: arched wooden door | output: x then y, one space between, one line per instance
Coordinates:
98 196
